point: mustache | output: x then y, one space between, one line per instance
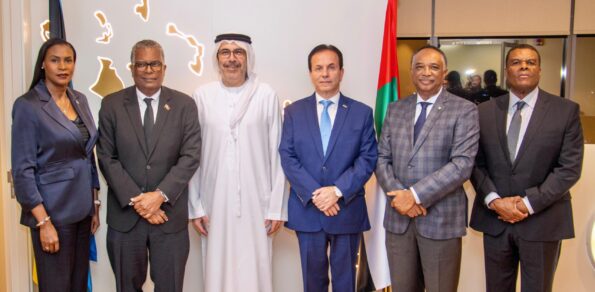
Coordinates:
231 64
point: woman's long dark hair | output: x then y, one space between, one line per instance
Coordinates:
38 72
454 80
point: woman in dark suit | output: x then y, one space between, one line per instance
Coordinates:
54 170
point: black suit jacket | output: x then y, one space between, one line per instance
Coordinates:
548 164
130 167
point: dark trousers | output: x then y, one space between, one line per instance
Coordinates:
418 263
315 263
503 253
66 270
130 252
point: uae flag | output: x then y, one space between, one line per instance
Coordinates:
388 77
388 91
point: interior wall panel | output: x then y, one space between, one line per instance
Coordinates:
502 18
584 17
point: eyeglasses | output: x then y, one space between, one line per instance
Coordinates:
155 65
225 53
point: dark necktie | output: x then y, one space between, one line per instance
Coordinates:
514 129
419 124
148 120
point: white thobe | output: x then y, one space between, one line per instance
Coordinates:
239 184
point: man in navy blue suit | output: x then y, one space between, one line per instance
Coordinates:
328 152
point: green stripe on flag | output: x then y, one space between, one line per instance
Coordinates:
386 94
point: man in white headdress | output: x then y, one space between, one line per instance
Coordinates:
238 196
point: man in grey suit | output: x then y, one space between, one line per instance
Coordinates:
530 155
425 153
148 149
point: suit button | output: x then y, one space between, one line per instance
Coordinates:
148 167
324 168
410 166
142 189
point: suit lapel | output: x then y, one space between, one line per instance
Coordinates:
433 116
539 113
501 113
408 117
312 120
340 117
162 114
133 110
86 118
52 110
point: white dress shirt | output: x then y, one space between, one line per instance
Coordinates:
332 109
143 106
526 112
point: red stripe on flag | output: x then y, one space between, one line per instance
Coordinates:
388 64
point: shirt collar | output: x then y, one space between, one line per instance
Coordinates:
334 98
141 96
530 100
431 100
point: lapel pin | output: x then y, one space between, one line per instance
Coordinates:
439 108
344 106
77 101
167 108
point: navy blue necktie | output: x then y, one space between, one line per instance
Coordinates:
419 124
325 124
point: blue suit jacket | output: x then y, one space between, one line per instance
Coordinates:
50 164
349 162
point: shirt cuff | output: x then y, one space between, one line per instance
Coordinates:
165 198
528 205
490 197
338 192
417 201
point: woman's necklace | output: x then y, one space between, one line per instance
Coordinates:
64 106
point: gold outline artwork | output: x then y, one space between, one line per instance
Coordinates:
108 80
195 66
142 9
285 104
107 35
45 30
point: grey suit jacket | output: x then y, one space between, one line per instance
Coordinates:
548 164
131 167
435 166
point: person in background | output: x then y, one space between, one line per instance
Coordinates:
474 84
491 90
54 170
453 84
